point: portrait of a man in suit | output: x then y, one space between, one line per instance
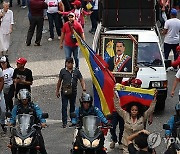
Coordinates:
120 62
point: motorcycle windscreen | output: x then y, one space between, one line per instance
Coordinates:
24 123
90 125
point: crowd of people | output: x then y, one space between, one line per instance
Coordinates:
15 83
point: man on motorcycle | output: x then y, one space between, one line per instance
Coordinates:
172 122
25 106
86 109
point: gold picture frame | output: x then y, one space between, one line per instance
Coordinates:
125 46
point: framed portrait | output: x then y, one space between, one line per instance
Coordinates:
120 52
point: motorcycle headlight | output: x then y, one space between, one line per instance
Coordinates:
86 142
28 141
95 143
18 140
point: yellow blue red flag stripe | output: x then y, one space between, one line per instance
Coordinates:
131 94
102 78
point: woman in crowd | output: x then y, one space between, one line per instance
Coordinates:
8 82
53 17
6 22
134 118
79 12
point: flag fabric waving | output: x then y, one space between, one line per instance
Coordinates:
102 78
131 94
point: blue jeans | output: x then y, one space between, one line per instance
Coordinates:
116 118
2 108
23 2
72 50
94 20
53 18
72 101
168 48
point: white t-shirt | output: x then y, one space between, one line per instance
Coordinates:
52 5
173 27
77 13
96 5
178 76
8 73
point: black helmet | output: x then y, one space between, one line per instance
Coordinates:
86 98
24 94
177 107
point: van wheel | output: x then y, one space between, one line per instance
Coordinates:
160 106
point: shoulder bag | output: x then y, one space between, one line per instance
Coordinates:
73 38
67 89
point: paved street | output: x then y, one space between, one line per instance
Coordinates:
45 62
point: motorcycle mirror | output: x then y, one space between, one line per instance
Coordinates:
45 115
166 127
109 117
73 115
8 114
167 63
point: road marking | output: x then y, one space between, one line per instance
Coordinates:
52 121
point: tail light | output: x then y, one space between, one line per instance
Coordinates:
37 147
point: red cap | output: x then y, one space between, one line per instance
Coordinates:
178 48
21 60
76 2
136 81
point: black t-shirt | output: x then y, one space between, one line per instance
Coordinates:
66 77
23 75
132 150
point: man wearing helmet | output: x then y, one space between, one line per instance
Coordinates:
172 122
25 106
86 109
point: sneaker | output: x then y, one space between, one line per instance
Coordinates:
72 125
120 147
64 126
44 31
112 145
37 44
45 18
50 39
23 7
59 37
92 31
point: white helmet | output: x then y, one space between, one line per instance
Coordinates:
24 94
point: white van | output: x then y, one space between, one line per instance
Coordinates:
150 60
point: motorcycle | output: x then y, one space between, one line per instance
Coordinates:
24 135
89 138
173 147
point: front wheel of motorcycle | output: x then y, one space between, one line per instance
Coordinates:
27 152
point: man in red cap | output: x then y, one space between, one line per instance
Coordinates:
79 12
136 83
22 76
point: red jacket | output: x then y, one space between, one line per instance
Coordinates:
176 62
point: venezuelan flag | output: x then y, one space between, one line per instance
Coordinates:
131 94
102 78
